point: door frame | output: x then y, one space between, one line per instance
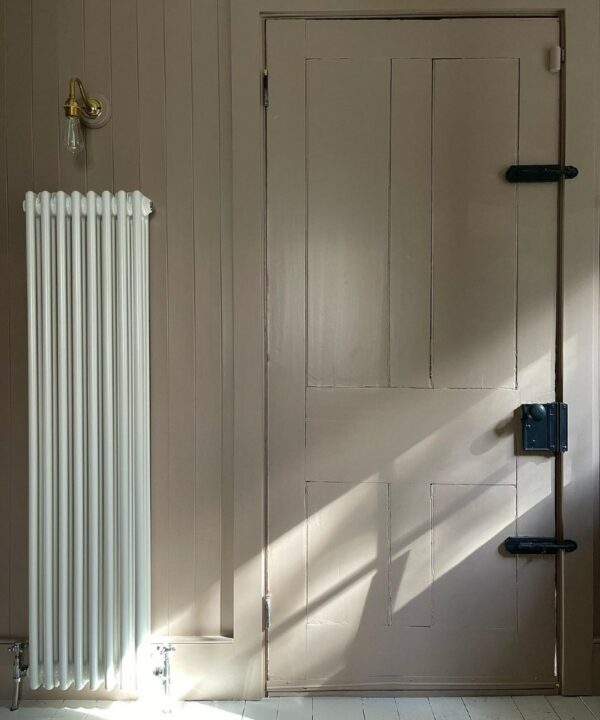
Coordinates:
577 302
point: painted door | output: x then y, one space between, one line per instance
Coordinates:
411 310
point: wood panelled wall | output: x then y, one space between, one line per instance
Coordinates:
164 65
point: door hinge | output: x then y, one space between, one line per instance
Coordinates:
526 545
556 57
267 612
545 427
540 173
265 89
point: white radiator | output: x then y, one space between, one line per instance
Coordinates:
89 468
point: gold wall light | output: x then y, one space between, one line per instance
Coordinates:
93 112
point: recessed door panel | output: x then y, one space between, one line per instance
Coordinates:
474 211
348 132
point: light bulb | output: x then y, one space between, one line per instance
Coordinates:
74 141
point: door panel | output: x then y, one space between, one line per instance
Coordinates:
357 517
475 136
411 566
469 524
411 310
348 317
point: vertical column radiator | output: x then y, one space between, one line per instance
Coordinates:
89 470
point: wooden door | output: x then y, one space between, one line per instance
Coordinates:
411 310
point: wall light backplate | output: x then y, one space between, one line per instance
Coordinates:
104 115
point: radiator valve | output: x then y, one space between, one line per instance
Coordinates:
162 670
19 671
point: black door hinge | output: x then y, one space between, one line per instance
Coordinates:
538 545
545 427
540 173
265 89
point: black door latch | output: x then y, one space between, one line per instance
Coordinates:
545 427
540 173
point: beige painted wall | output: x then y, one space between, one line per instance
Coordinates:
160 62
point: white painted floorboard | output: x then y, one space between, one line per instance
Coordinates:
267 709
295 708
380 709
448 708
414 708
593 704
337 708
492 708
570 708
535 707
321 708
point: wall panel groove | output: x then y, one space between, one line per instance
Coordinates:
124 89
5 384
19 166
70 36
181 313
98 65
207 282
152 105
